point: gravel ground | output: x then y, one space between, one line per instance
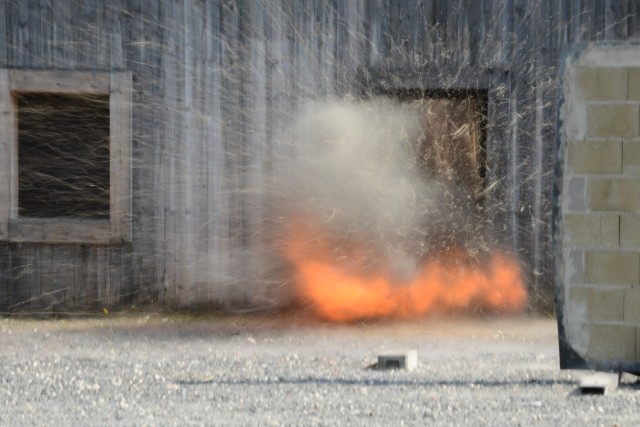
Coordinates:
155 370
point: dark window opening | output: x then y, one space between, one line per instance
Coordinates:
452 145
63 155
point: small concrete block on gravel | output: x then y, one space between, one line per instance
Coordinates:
599 383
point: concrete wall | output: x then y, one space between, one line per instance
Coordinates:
600 204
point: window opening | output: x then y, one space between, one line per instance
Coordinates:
63 155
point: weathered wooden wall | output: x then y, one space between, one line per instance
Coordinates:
215 85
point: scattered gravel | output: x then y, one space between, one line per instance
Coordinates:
150 370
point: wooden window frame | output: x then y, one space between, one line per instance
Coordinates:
118 86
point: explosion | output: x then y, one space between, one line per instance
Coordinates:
377 219
345 288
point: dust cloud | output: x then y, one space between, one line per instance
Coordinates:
362 218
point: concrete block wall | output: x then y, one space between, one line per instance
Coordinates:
600 203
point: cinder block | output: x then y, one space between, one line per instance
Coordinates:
630 231
620 268
612 121
595 157
599 383
576 194
398 359
591 230
603 83
634 84
631 158
632 305
613 194
612 342
581 230
610 231
574 266
601 304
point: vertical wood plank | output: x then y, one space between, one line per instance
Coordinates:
440 32
21 34
117 280
46 17
256 93
545 125
3 34
35 260
126 50
137 39
550 93
77 298
43 258
473 30
278 74
64 52
582 19
200 86
150 109
36 29
598 19
80 274
451 12
275 88
482 31
123 264
550 39
77 32
102 290
323 44
117 17
90 291
25 274
172 135
497 50
187 216
232 137
14 298
154 27
527 175
217 203
63 278
375 34
296 23
350 43
5 276
633 19
120 96
7 153
617 19
181 177
90 17
539 187
419 33
102 36
464 49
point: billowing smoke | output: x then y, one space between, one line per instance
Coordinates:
358 173
363 196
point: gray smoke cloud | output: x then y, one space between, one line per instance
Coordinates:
359 175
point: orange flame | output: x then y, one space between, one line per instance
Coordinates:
450 282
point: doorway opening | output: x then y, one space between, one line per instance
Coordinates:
452 143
